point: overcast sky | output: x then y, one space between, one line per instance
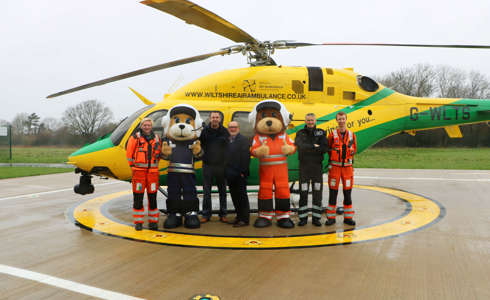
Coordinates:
49 46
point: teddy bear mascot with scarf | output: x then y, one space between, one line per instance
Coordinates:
182 126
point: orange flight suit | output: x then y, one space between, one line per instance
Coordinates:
143 157
341 153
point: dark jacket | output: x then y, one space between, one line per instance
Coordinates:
305 140
214 143
238 159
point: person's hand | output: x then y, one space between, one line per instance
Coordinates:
166 149
316 145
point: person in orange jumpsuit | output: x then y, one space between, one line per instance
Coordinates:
143 154
271 145
342 145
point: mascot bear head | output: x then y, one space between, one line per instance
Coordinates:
269 117
182 123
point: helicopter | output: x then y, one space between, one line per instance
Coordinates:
374 111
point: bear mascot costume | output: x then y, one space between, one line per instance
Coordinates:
271 145
180 147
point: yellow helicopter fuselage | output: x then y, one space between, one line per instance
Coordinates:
373 111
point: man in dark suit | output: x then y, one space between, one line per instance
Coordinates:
236 174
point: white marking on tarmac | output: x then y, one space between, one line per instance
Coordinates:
425 178
34 195
65 284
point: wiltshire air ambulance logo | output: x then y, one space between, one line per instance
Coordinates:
249 86
205 297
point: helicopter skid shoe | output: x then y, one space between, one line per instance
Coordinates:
285 223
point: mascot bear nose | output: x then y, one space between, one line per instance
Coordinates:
269 123
181 126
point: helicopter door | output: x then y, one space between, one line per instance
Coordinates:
315 79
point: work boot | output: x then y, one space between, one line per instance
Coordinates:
172 221
153 226
303 221
138 226
262 222
316 222
350 222
285 223
330 222
191 220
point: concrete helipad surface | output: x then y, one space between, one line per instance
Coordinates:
442 253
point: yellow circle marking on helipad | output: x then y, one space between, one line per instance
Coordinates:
423 211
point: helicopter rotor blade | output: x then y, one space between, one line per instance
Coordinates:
300 44
194 14
143 71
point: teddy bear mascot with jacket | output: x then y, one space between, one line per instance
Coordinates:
271 145
181 148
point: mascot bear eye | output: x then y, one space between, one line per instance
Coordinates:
273 114
177 120
264 115
188 121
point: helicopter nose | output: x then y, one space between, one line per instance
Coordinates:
181 126
269 123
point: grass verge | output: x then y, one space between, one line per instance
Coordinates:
12 172
38 155
425 158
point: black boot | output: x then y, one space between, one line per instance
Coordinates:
330 222
138 226
285 223
350 222
303 221
262 222
153 226
191 220
316 222
173 221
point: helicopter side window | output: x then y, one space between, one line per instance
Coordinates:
246 129
121 129
367 84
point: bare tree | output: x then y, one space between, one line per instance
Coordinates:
450 82
478 86
86 118
418 81
51 124
19 123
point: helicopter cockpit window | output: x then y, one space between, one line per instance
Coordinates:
246 129
367 84
121 129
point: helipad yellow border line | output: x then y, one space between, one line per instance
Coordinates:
423 212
